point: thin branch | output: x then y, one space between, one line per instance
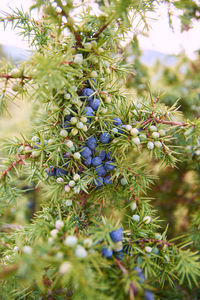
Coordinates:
101 29
6 76
170 122
17 162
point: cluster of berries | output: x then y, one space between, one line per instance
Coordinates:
116 236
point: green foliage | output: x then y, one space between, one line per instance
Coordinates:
60 247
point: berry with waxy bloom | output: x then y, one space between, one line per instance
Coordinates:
88 94
107 253
101 171
60 172
108 180
91 143
86 152
94 104
99 181
117 235
117 121
105 138
109 165
96 161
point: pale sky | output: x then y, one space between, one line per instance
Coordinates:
160 38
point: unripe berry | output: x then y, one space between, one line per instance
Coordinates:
73 120
87 242
104 110
162 132
78 59
79 125
136 218
66 111
72 183
59 224
93 44
118 246
94 74
134 131
143 136
88 46
123 181
63 133
155 135
68 202
76 177
158 236
65 267
74 131
147 220
80 252
85 129
77 155
158 144
136 140
153 128
148 249
28 149
54 233
83 119
50 141
35 139
27 249
67 96
69 144
16 73
35 154
128 127
133 205
60 180
108 99
71 240
150 145
67 188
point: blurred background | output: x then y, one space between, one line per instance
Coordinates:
167 57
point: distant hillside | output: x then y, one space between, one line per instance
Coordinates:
149 57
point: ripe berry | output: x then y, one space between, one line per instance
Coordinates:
87 92
95 104
119 255
101 171
108 155
102 154
99 181
60 172
117 121
104 138
88 111
36 147
116 235
91 143
108 180
107 252
87 162
86 152
96 161
51 171
109 165
148 295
